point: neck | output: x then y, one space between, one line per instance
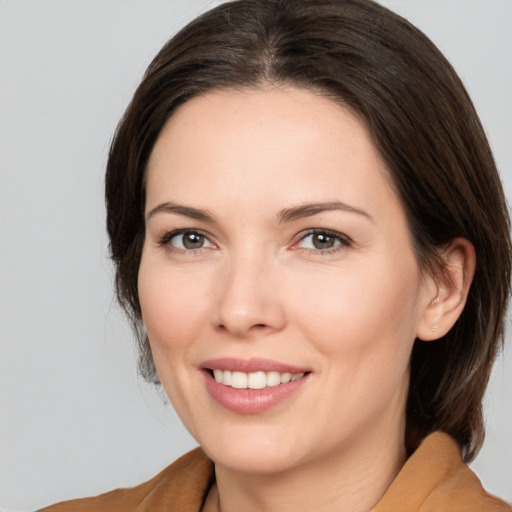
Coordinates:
352 478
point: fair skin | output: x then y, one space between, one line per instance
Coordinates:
235 267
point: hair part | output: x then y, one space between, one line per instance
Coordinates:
422 123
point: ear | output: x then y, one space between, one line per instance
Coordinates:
448 290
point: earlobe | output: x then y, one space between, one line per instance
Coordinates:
451 285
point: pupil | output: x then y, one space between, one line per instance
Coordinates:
193 241
323 241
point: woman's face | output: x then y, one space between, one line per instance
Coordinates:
277 251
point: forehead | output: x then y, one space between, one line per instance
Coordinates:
258 142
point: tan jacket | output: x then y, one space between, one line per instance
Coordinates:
434 479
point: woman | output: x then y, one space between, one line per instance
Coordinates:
312 242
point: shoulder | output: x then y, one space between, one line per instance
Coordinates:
435 479
181 486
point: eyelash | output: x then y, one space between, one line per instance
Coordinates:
344 241
165 240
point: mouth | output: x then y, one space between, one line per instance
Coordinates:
254 380
252 386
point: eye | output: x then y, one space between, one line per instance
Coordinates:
186 240
323 241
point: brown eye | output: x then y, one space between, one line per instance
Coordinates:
187 241
192 241
323 241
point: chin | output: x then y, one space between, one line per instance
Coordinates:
252 452
253 460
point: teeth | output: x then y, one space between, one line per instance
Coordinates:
239 380
273 378
226 377
254 380
257 380
285 377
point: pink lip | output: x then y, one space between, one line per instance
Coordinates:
250 401
251 365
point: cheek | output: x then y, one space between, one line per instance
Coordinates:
173 307
353 313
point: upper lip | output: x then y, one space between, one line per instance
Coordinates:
251 365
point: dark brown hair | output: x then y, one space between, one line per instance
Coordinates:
422 122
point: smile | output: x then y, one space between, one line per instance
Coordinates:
254 380
252 386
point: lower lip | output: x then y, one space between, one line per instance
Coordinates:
251 401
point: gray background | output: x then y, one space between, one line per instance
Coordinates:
74 418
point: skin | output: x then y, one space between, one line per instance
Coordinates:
256 287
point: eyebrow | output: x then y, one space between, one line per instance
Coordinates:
186 211
286 215
310 209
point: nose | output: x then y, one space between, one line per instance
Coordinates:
248 298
